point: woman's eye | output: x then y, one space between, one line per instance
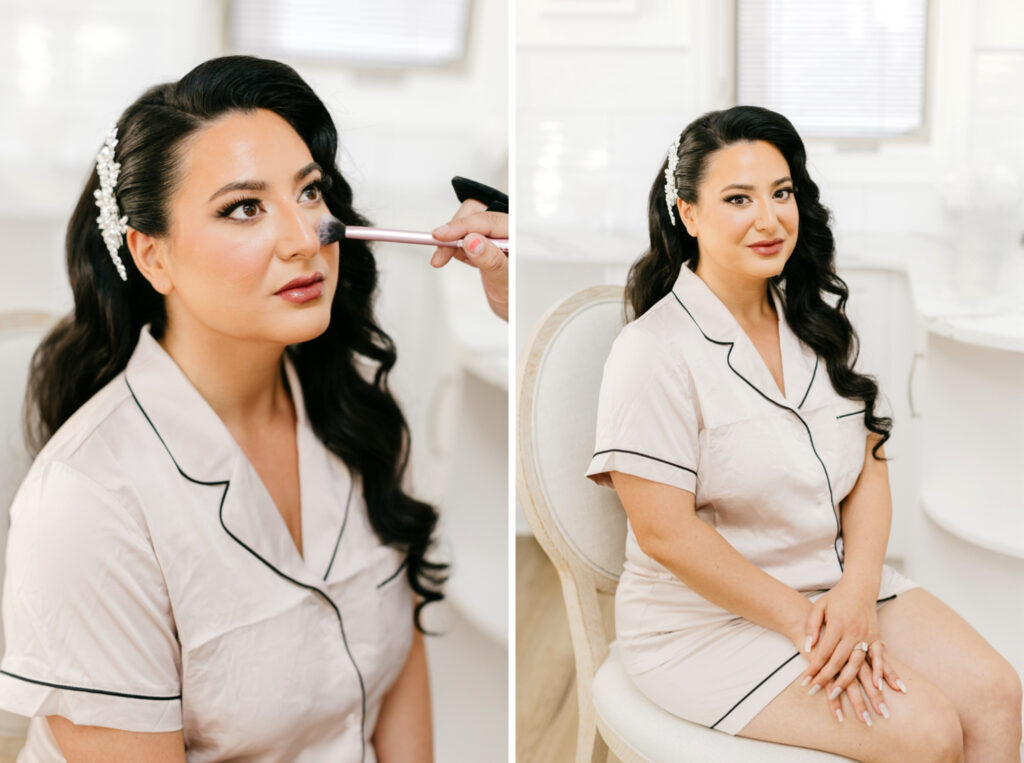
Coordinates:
786 193
736 200
246 209
313 192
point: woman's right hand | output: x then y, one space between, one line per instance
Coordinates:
866 691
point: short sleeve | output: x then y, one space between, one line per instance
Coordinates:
87 619
647 417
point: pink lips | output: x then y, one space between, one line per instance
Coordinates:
767 247
303 289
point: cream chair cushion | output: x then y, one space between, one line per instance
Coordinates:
656 735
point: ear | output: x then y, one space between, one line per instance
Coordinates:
688 214
149 254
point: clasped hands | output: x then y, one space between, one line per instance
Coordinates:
838 622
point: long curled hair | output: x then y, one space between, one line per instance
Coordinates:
808 275
343 372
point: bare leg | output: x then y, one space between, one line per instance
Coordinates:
923 726
939 644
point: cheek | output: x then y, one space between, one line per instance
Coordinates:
232 257
734 224
790 217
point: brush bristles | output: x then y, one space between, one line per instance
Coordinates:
331 229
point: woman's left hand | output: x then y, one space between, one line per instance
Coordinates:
839 621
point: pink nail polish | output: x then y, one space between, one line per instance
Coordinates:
476 245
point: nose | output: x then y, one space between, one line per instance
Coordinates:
767 221
297 236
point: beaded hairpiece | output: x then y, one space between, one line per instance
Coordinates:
112 224
670 180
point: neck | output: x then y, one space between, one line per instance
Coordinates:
745 297
241 379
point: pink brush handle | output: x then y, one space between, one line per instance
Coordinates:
409 237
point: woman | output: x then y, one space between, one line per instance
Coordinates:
748 454
213 556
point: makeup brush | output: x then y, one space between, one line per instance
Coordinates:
332 229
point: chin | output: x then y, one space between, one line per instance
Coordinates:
309 327
295 326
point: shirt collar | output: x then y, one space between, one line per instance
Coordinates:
193 434
719 326
204 451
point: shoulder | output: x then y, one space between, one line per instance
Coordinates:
83 467
660 342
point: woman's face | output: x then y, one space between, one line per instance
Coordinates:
243 224
745 198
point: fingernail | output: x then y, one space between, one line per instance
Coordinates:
440 230
835 693
901 685
436 259
839 714
866 717
807 644
814 690
474 244
878 684
885 711
807 680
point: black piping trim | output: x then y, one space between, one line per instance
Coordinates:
795 655
348 501
828 481
91 691
644 455
394 574
879 601
810 383
226 484
855 413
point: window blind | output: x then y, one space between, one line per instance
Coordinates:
382 33
852 69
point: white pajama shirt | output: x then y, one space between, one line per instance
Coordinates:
152 584
686 400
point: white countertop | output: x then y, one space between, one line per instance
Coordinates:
954 298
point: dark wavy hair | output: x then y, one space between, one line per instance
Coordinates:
809 273
343 372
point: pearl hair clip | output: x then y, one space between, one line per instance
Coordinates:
112 224
670 180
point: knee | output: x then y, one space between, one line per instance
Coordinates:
938 735
999 693
948 736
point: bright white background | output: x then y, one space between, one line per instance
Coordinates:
67 70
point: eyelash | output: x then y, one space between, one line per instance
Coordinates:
321 185
729 200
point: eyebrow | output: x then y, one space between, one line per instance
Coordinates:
780 181
259 185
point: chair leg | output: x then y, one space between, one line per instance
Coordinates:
590 746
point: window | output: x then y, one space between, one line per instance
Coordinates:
379 34
851 69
